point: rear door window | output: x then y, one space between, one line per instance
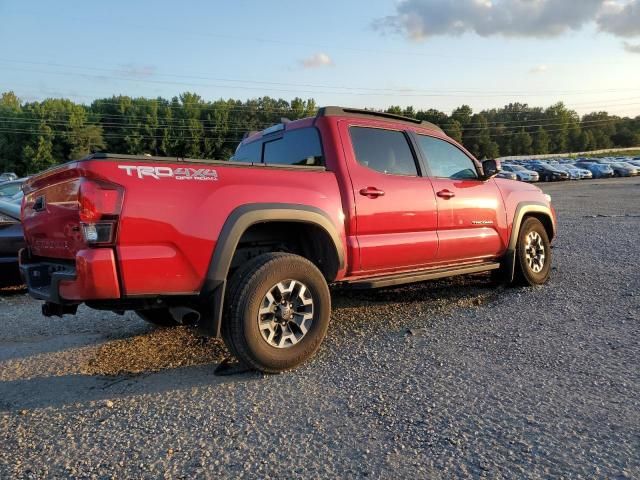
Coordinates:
385 151
297 147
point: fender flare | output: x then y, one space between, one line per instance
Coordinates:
213 290
523 209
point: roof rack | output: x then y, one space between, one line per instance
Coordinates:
358 112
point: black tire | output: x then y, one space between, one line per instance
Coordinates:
525 274
160 317
234 283
247 290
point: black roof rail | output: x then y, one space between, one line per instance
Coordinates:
358 112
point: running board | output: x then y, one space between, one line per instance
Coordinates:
420 276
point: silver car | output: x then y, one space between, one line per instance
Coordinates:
522 173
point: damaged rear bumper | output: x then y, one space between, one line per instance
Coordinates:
93 276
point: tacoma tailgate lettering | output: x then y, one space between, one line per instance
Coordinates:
142 171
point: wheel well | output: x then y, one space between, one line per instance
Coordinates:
305 239
544 219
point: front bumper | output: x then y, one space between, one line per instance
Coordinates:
93 276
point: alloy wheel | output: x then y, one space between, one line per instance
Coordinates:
534 252
286 314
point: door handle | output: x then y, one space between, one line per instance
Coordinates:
447 194
372 192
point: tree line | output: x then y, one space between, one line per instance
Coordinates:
37 135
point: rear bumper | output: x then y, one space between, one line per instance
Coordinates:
92 277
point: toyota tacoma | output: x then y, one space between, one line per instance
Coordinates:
246 249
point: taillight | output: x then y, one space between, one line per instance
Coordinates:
100 207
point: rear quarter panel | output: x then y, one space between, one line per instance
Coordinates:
169 227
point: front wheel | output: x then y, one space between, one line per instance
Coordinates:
277 312
533 253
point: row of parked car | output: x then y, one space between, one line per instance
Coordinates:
557 169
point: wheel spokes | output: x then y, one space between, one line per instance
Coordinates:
286 313
535 252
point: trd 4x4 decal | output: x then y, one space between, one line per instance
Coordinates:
142 171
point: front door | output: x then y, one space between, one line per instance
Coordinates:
470 211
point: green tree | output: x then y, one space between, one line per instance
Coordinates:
434 116
560 121
540 144
462 115
453 129
37 155
521 143
13 133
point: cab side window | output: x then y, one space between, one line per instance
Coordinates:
248 152
300 147
386 151
447 160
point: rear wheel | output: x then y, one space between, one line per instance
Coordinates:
158 316
533 253
277 312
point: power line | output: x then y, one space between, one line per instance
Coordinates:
49 121
243 129
259 109
180 124
315 92
204 136
387 90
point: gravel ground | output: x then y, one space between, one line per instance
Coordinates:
446 379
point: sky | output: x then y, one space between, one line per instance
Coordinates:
359 53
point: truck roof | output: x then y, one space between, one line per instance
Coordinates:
333 111
358 112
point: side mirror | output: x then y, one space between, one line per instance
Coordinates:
490 168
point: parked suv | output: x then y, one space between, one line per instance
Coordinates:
245 249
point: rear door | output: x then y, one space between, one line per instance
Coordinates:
470 210
396 218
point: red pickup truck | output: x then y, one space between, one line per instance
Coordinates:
246 248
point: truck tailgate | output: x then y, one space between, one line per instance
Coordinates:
50 213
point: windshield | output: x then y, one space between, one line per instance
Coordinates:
9 189
10 209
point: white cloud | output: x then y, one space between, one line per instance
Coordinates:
620 19
421 19
317 60
539 69
631 48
